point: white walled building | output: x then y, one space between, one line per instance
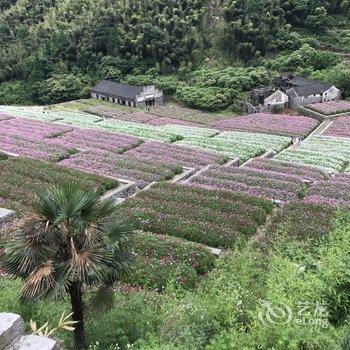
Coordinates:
127 95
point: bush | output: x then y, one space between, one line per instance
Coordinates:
60 88
206 98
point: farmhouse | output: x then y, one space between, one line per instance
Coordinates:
127 95
303 91
291 91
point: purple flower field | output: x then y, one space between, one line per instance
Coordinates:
142 171
292 170
340 127
137 117
165 153
253 182
32 128
4 116
90 140
331 107
32 147
335 192
277 124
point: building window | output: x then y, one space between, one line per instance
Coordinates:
123 103
134 104
129 103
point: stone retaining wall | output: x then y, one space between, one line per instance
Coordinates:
13 336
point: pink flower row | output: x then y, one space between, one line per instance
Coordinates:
277 124
253 182
331 107
165 153
139 170
32 128
335 192
89 139
340 127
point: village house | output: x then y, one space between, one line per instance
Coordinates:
291 91
127 95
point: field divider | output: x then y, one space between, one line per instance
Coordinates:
124 190
184 175
197 173
320 129
6 215
268 154
9 153
233 162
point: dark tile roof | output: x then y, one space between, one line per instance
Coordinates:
114 89
307 87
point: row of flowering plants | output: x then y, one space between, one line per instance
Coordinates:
161 259
212 217
329 154
259 140
129 167
292 170
243 145
189 131
277 124
32 128
335 192
225 147
4 116
303 221
166 153
252 182
331 107
340 127
136 116
92 139
35 112
26 177
187 114
143 131
32 147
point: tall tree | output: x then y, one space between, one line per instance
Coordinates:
73 241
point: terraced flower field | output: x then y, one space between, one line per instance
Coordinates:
134 168
22 178
165 153
243 145
331 107
335 192
211 217
90 140
160 259
32 128
340 127
266 123
252 182
326 153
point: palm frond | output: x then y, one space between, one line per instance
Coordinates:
117 232
39 282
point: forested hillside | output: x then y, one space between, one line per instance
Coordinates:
53 50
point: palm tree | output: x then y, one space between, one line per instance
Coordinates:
72 242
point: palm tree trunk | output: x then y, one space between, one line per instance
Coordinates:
76 299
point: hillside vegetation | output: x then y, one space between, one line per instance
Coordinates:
54 50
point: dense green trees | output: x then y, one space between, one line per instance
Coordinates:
50 40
